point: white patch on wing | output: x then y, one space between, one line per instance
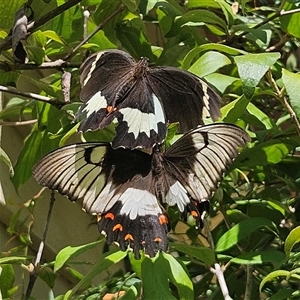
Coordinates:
205 112
93 66
138 202
138 121
177 195
94 104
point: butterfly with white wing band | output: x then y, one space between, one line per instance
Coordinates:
143 99
127 189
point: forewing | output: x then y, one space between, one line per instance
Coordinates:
103 75
199 158
186 98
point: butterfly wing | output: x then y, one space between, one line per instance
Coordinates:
117 185
198 159
113 86
186 98
102 77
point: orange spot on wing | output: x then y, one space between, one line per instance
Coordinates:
128 237
109 216
194 214
118 226
110 109
163 219
157 240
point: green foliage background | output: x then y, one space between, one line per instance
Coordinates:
247 50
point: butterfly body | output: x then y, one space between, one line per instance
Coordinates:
143 99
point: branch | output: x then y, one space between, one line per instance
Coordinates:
32 26
33 273
220 275
55 102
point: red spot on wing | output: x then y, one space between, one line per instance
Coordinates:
163 219
118 226
110 109
109 216
128 236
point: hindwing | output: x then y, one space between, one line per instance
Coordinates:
117 185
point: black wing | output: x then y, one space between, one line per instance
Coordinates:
113 86
117 185
186 98
198 159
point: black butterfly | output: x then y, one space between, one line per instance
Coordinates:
127 189
142 99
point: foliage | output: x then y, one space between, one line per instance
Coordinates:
249 52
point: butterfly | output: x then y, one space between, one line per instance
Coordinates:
128 189
142 99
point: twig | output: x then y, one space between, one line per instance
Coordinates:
6 44
283 100
33 274
55 102
56 64
220 275
249 282
282 41
100 26
218 271
20 123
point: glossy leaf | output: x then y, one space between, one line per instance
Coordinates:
5 158
241 230
208 63
70 252
291 82
101 265
252 67
292 239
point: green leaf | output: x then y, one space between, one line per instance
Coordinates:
203 254
7 279
203 16
8 10
35 54
179 277
4 157
131 5
232 111
220 81
291 82
273 276
27 158
252 67
13 259
265 153
53 36
292 239
241 230
208 63
70 252
101 265
290 23
15 108
260 257
47 275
